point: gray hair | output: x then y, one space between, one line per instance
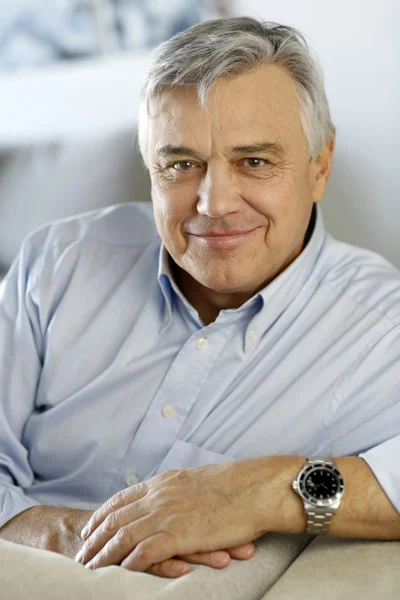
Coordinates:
203 53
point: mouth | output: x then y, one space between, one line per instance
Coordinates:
227 239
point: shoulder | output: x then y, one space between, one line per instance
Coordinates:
128 224
364 276
99 243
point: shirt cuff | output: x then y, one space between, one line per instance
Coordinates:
384 460
12 502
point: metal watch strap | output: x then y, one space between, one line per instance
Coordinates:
318 522
318 519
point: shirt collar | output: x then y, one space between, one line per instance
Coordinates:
170 289
271 301
286 287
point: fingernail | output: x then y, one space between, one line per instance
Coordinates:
84 532
219 557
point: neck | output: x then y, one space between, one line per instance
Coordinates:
207 302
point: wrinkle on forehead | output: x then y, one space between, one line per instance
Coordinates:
256 105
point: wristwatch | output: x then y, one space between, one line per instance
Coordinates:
320 485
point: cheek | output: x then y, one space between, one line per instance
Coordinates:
273 201
282 196
285 204
171 209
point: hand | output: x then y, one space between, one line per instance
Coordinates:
175 513
166 568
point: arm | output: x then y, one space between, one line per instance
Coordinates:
245 500
365 510
20 366
365 414
48 528
23 520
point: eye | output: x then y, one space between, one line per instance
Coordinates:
184 164
253 162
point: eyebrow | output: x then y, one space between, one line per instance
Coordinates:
168 150
275 148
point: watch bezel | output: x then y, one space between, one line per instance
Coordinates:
307 497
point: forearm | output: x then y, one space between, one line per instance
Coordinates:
48 528
365 510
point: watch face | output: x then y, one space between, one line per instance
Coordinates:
321 484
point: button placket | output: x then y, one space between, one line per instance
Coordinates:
168 410
182 384
202 343
251 337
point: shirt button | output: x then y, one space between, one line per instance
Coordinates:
168 410
131 479
252 334
202 343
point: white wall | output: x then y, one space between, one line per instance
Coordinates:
71 100
358 45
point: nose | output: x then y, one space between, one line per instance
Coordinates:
218 194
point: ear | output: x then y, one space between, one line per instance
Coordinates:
322 170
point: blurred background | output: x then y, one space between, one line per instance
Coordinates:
70 76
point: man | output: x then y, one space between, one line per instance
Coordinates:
236 367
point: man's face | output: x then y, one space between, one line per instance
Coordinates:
232 217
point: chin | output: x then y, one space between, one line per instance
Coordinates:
229 285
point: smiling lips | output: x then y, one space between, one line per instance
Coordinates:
226 238
222 234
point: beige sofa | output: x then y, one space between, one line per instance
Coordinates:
284 567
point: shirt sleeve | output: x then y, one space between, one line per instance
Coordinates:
367 420
384 461
20 367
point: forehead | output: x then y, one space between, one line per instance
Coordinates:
258 104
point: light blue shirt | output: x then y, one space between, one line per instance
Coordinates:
108 376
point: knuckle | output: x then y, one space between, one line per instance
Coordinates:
142 552
158 494
169 473
111 522
159 477
117 500
123 536
89 544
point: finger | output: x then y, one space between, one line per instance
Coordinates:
151 550
242 552
217 560
108 529
120 499
173 568
121 545
170 568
